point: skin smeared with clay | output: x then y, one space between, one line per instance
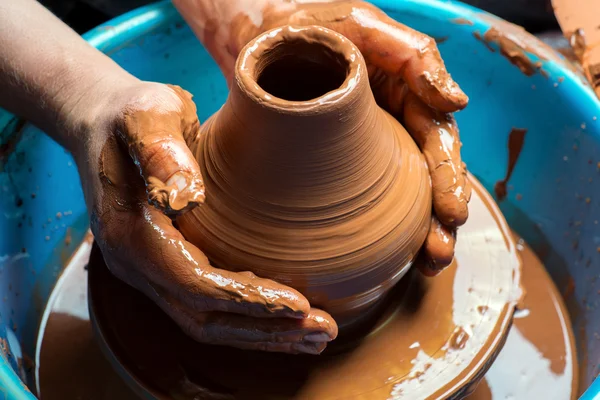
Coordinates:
192 292
153 141
438 249
437 135
413 66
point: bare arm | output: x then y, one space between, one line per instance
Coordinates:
46 69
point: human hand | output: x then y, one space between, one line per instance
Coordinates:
407 75
135 167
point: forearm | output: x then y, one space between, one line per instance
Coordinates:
48 73
224 27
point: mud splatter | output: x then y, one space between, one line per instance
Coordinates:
516 138
461 21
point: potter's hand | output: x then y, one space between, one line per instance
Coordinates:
407 75
118 127
142 247
144 126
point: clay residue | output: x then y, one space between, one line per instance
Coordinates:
513 49
559 43
569 289
459 338
568 53
516 138
4 349
518 45
461 21
182 191
578 43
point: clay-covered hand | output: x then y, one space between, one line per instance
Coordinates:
135 166
407 75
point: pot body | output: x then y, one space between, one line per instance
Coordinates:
329 194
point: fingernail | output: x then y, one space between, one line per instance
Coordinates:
309 348
317 337
189 187
179 180
430 273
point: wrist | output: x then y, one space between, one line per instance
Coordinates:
84 107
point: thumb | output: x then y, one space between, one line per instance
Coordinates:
155 128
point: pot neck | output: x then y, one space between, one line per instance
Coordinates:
299 118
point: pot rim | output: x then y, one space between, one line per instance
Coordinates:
248 67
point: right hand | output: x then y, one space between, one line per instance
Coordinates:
407 75
134 151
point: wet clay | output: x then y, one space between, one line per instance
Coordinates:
434 338
518 46
511 49
69 362
461 21
516 138
142 130
539 359
579 23
309 182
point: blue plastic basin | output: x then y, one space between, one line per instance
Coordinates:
553 202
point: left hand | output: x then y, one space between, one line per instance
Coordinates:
408 78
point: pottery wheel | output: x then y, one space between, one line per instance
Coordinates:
436 339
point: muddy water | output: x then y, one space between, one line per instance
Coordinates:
69 363
536 362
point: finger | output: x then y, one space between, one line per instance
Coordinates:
308 335
156 137
176 268
437 135
403 52
468 186
389 92
438 249
290 348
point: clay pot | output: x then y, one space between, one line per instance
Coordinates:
308 181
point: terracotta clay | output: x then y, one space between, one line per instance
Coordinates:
308 182
516 139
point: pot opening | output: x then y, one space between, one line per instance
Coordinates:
300 71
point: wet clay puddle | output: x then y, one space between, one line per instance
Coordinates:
538 359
